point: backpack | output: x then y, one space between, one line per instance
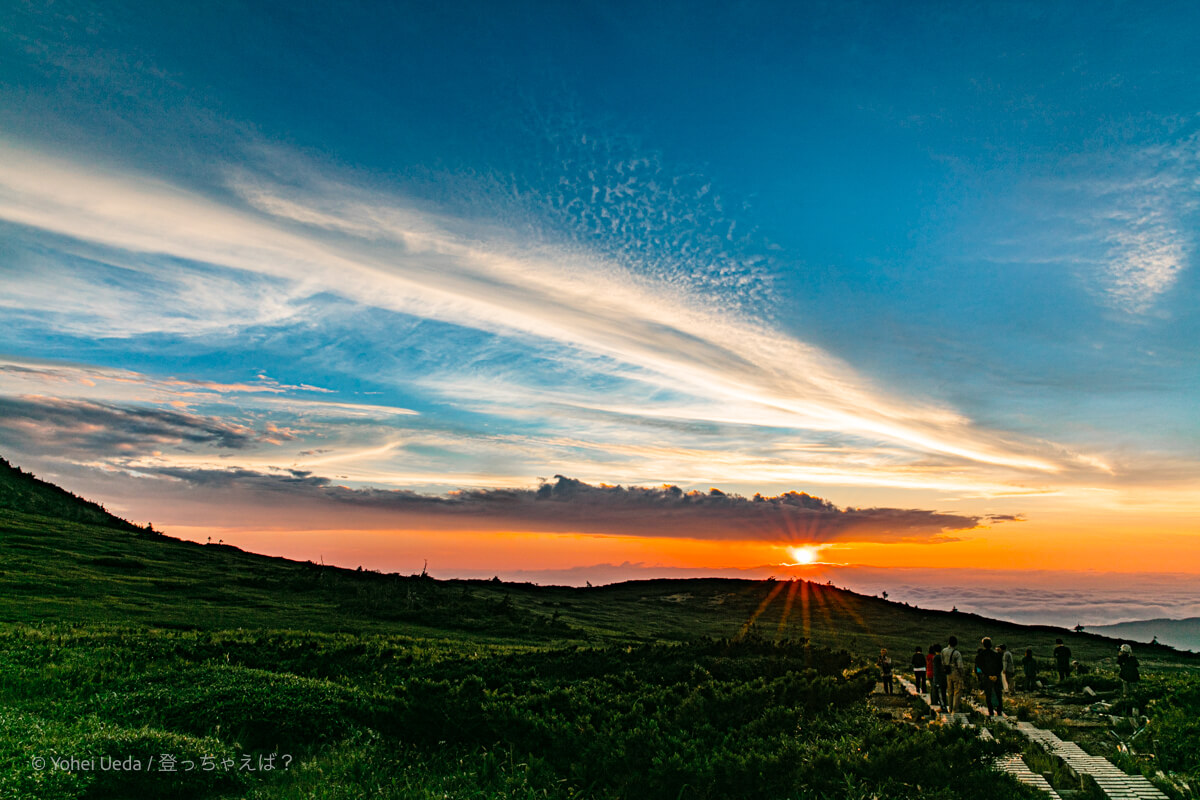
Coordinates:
948 662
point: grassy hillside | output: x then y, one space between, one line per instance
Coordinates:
21 491
119 642
60 570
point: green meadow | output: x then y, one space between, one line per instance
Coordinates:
135 664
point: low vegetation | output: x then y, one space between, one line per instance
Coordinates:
335 713
265 678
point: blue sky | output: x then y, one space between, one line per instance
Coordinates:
931 257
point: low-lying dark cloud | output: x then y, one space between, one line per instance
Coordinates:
569 505
56 426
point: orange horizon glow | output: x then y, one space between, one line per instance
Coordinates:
1059 548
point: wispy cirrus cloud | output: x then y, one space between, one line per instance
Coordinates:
377 252
1146 255
89 289
1142 221
1122 222
122 385
638 438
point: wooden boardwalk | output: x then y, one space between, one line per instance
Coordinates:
1115 783
1015 765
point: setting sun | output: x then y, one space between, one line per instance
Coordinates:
807 554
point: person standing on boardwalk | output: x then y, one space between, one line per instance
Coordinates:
936 676
1127 669
956 674
919 671
885 670
1029 664
1010 669
989 666
1062 658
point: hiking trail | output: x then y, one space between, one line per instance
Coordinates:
1114 782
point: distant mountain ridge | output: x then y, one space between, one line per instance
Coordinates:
68 559
1182 634
22 491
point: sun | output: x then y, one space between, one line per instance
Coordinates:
807 554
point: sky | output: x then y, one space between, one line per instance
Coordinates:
563 292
